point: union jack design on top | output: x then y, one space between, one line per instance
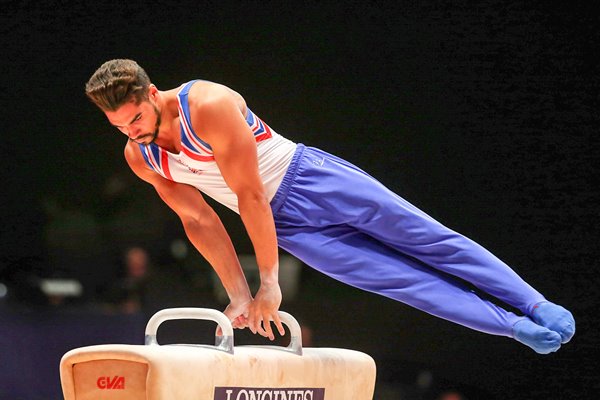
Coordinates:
191 145
157 158
260 130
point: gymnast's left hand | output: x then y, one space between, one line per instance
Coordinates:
263 310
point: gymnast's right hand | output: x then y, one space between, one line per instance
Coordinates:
237 312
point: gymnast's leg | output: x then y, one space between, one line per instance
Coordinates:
443 249
358 260
327 191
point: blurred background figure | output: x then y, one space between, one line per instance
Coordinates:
451 395
307 335
129 293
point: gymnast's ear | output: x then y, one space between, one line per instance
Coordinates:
152 91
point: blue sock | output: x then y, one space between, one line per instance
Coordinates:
540 339
555 318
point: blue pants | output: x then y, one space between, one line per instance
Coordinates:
341 221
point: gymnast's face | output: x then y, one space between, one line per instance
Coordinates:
139 122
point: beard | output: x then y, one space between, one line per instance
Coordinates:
152 135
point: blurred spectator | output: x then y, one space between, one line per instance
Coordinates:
307 335
451 395
129 294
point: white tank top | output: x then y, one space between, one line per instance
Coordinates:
195 164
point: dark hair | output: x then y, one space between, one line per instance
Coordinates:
116 82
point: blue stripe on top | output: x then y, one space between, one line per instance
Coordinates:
142 147
183 97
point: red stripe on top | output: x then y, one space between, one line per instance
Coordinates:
195 156
165 164
260 138
267 129
152 160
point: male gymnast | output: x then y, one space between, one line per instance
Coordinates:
202 137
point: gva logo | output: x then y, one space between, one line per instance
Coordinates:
106 382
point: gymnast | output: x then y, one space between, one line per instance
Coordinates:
201 137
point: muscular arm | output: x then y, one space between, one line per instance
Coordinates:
222 124
203 228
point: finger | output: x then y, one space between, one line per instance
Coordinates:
240 323
278 324
219 331
260 329
267 326
253 322
262 332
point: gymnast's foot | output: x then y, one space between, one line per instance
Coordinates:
555 318
540 339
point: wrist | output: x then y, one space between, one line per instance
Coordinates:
240 299
269 284
270 278
239 293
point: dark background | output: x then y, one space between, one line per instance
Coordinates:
484 116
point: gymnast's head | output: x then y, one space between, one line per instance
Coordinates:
116 83
122 90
